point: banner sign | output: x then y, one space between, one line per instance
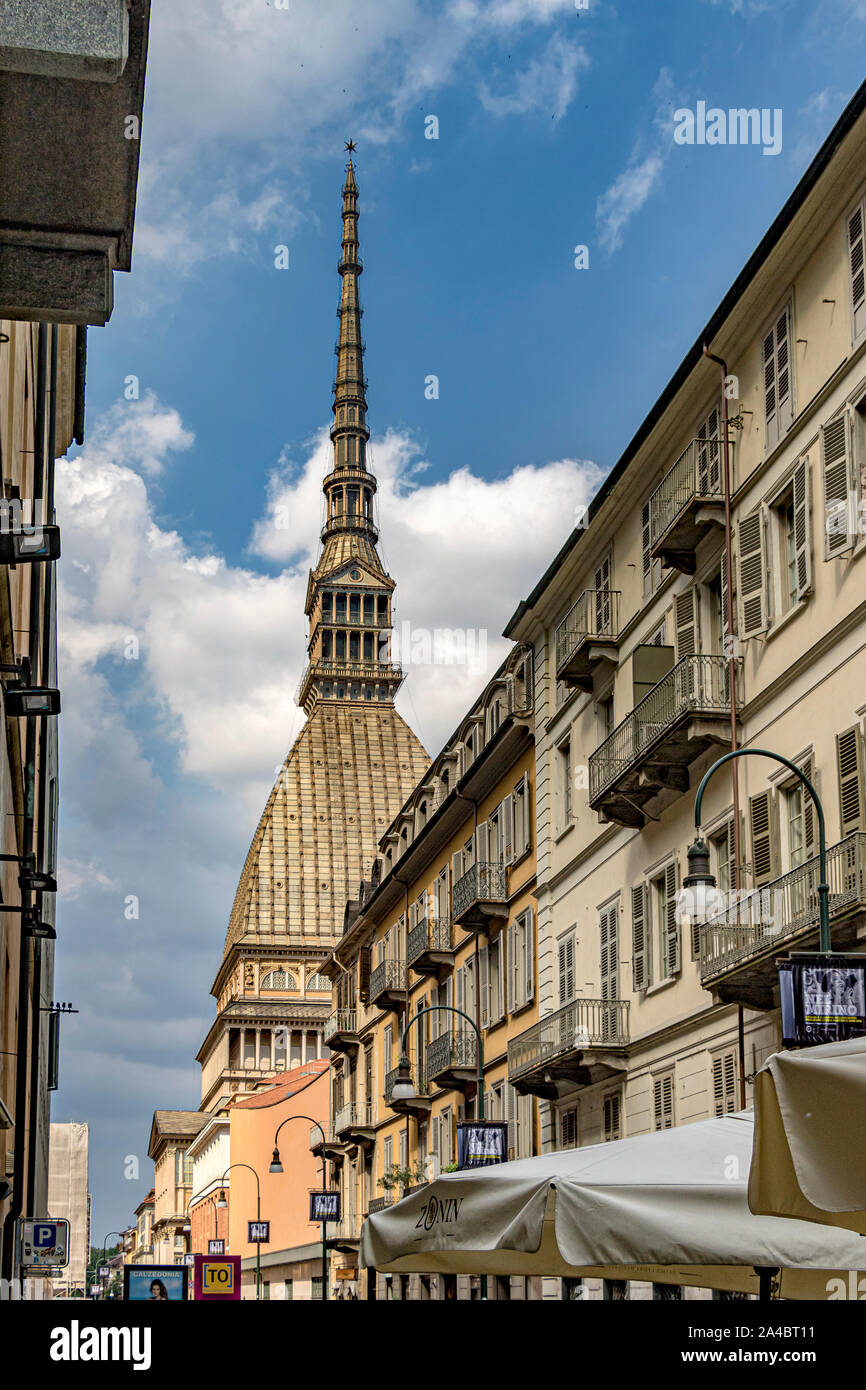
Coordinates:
823 999
103 1271
155 1283
258 1232
217 1279
481 1142
189 1260
45 1243
216 1247
324 1206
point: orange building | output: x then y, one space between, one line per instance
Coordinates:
291 1262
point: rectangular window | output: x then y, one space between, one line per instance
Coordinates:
663 899
496 1003
763 812
565 783
521 952
522 823
663 1101
446 1139
568 1128
612 1116
652 569
608 930
839 486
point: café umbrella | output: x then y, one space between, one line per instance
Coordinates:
809 1157
669 1207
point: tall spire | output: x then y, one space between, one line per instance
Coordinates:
349 593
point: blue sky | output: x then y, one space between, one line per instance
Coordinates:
555 129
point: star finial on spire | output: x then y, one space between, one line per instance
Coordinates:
350 146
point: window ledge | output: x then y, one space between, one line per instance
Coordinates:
786 618
566 829
660 985
521 1008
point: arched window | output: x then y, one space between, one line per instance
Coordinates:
319 984
279 979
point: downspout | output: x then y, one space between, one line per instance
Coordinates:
732 678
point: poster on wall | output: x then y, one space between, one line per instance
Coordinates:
823 999
155 1283
481 1142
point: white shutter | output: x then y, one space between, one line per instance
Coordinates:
849 766
640 961
752 575
512 971
802 537
672 926
529 956
858 287
777 377
484 985
608 936
686 622
566 969
507 829
838 482
481 839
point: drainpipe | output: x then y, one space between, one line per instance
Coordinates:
732 677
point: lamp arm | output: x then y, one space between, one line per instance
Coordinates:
309 1120
449 1008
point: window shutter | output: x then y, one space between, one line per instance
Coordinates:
858 288
640 963
777 378
672 926
456 867
764 838
837 483
460 987
709 456
645 544
364 965
663 1102
686 622
725 1083
510 968
485 988
568 1129
809 848
849 765
609 953
481 839
802 539
529 956
507 825
751 575
602 597
566 969
527 814
612 1110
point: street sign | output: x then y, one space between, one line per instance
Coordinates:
217 1279
258 1232
324 1206
216 1247
345 1273
44 1242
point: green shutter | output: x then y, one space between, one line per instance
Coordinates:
764 837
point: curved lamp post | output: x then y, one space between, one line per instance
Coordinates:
221 1205
187 1230
276 1166
699 855
105 1249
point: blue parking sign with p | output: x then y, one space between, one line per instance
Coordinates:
45 1235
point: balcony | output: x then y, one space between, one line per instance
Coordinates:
345 1234
388 985
430 948
355 1124
580 1044
332 1148
478 899
379 1204
688 502
650 752
340 1032
451 1061
420 1103
588 636
740 948
348 671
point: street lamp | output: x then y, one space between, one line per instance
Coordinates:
221 1204
276 1166
105 1245
404 1088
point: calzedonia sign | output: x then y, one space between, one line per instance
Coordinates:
481 1143
823 998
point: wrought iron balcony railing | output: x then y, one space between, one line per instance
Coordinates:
387 978
354 1116
450 1051
768 918
340 1021
379 1204
585 1023
696 476
483 883
696 685
433 934
594 614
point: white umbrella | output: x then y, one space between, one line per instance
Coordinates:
668 1207
809 1159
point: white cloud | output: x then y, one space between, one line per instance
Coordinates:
548 84
642 175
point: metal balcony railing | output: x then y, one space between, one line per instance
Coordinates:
349 670
340 1021
390 975
451 1050
696 474
594 614
582 1024
696 685
344 1118
433 934
484 882
355 1115
379 1204
770 916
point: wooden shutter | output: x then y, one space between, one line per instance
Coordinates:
645 544
709 456
364 966
568 1129
602 597
809 847
640 957
663 1101
612 1112
672 926
849 765
802 539
566 969
762 823
507 828
686 622
777 378
608 933
529 955
725 1083
484 983
752 568
858 287
836 449
481 843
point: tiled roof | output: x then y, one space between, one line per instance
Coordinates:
288 1084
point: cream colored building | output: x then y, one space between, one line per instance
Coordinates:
650 1019
171 1135
68 1199
446 922
143 1251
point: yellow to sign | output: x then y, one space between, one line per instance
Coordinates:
218 1276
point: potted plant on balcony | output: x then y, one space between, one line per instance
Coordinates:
403 1178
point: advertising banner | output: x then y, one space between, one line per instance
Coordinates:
258 1232
823 999
216 1247
481 1142
324 1206
155 1283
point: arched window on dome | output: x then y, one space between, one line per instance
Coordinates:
279 979
318 984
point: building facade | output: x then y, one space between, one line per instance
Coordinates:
446 922
143 1252
171 1134
69 1199
664 636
